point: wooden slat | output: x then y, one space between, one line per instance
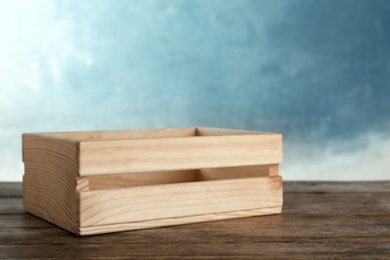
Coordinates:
178 200
125 134
126 156
210 131
101 229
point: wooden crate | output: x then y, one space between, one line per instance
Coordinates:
107 181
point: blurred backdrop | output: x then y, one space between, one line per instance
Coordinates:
316 71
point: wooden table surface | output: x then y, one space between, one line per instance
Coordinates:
319 220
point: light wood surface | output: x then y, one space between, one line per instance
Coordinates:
108 181
109 228
49 189
125 134
320 220
238 172
178 200
165 154
211 131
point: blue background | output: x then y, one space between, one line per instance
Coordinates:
316 71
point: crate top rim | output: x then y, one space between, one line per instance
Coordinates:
150 133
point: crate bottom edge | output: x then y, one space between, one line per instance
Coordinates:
111 228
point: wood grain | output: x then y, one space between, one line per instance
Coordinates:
101 229
105 181
127 156
146 203
320 220
211 131
125 134
49 189
237 172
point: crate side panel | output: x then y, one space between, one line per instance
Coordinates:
49 179
134 204
115 157
94 230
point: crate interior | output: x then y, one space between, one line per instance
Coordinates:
181 176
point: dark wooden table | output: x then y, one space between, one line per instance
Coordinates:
319 220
